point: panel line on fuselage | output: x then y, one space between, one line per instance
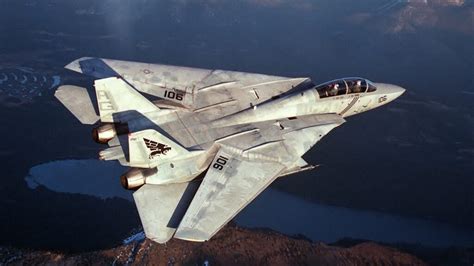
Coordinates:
350 105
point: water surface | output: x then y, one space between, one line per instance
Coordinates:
272 209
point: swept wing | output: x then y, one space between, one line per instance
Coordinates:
239 172
201 90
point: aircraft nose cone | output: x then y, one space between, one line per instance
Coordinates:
396 91
389 92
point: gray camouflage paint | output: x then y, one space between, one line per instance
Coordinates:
239 131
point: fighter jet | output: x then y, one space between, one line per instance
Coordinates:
202 144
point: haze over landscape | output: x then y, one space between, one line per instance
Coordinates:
413 158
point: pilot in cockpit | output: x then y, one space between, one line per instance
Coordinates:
357 86
334 89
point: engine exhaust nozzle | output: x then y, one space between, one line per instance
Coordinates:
105 133
136 177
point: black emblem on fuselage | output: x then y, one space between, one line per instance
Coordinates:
156 148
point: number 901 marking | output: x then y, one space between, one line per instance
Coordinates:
220 162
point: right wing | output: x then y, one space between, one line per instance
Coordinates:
239 174
231 183
236 176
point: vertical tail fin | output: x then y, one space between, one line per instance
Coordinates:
149 147
114 95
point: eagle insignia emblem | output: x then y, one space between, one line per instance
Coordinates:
156 148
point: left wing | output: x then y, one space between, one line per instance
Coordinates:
201 90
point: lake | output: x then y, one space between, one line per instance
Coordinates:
272 209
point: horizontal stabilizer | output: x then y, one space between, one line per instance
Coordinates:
78 102
161 208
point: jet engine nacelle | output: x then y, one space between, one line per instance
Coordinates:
105 133
136 177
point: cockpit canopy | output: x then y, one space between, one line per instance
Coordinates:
345 86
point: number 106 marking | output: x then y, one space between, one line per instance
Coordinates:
174 95
220 162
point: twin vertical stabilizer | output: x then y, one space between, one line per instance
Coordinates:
114 95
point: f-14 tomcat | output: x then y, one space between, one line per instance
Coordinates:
202 144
